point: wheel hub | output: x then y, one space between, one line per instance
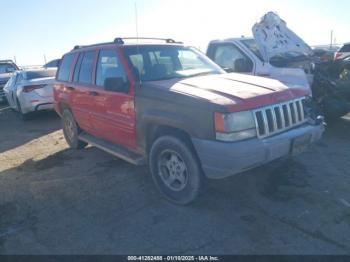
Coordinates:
172 170
69 128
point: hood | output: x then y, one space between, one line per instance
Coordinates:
274 38
235 91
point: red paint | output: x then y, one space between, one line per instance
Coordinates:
265 100
109 115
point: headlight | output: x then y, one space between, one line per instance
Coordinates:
235 126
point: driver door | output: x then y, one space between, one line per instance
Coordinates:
114 114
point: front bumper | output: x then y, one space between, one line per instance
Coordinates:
220 159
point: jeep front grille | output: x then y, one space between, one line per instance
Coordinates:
275 119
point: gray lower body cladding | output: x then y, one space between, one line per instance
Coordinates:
220 159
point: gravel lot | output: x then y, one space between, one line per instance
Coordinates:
54 200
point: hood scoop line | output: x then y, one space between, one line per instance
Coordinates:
215 92
243 82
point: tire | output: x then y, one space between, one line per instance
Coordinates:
175 170
22 116
71 130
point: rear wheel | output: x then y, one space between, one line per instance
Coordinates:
23 116
71 130
175 170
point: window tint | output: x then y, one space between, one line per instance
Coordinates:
77 68
85 74
110 73
229 56
63 74
345 48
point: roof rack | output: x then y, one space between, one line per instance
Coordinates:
120 41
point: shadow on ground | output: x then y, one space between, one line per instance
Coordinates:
15 132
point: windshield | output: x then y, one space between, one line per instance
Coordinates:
6 68
40 74
252 46
152 63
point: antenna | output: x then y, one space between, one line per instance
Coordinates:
136 23
137 40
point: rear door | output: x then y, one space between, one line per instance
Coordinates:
82 89
114 115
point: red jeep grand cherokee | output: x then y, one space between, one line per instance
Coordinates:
169 106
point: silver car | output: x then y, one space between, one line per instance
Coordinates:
31 90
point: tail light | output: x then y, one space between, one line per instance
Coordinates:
27 89
337 55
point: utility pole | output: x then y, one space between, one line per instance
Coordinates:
14 58
44 59
331 39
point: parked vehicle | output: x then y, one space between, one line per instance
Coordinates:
343 52
275 52
331 88
53 63
170 106
30 90
324 53
7 68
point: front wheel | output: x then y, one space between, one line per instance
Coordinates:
71 131
175 170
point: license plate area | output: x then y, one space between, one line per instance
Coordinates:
300 144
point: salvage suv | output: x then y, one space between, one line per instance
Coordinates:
169 106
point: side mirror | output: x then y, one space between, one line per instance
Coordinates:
116 84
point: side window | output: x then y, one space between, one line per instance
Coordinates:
86 67
77 68
63 73
110 73
229 56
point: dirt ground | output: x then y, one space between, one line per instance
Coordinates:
54 200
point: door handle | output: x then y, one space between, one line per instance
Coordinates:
70 88
93 93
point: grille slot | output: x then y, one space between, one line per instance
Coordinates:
275 119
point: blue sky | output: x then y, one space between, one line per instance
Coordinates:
34 28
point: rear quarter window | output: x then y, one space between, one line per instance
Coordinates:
64 71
